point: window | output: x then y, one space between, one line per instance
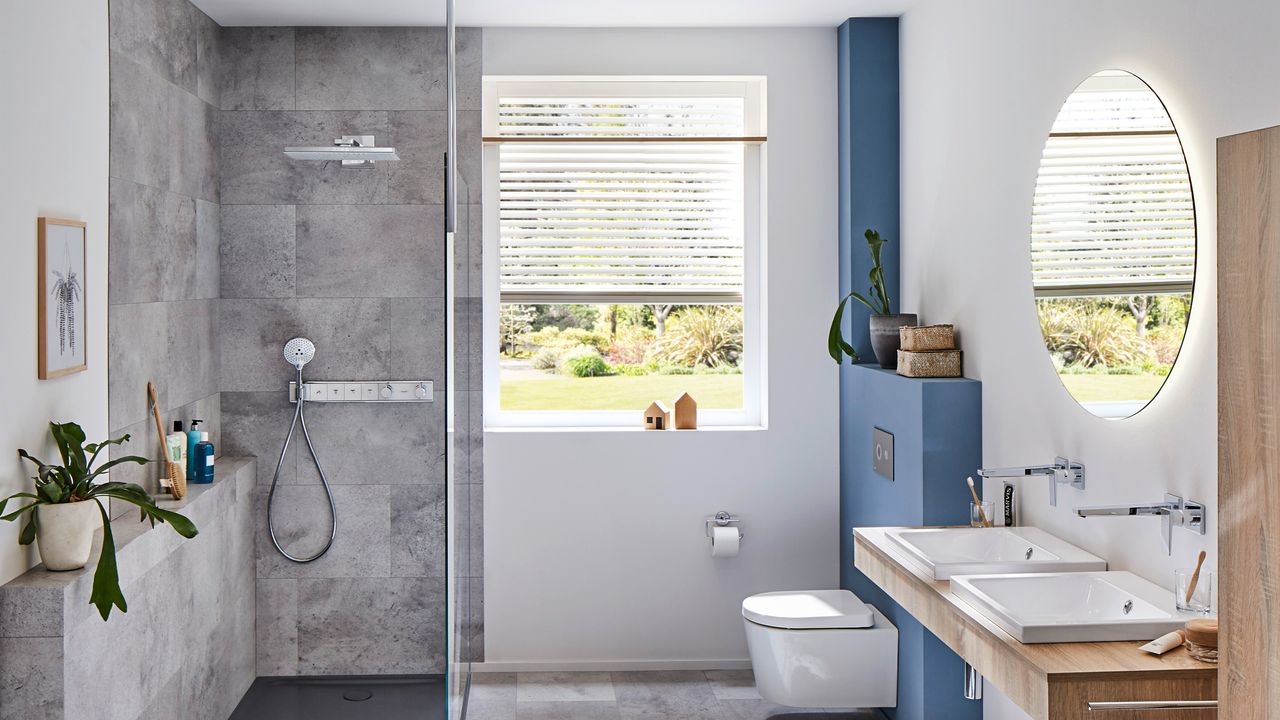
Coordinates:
623 238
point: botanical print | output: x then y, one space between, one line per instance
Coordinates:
62 297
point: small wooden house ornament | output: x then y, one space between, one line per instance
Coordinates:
686 417
657 416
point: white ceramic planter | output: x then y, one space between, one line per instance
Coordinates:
64 533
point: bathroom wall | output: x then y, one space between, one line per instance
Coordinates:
57 167
163 280
594 546
353 260
981 84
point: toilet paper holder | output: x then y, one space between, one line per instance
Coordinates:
722 519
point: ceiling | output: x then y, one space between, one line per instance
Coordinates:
549 13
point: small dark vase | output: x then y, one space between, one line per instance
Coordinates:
884 337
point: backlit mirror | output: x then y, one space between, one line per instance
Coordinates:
1113 244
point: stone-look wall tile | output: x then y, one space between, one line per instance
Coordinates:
470 70
208 238
419 138
301 519
358 626
209 59
376 443
418 531
257 68
153 243
468 253
370 251
160 35
255 170
192 356
137 351
31 678
161 135
474 626
257 254
255 425
31 607
475 541
277 627
368 68
356 339
468 371
473 438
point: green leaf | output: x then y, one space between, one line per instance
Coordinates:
181 523
18 513
5 501
134 494
106 579
837 348
50 493
69 438
126 459
96 448
28 534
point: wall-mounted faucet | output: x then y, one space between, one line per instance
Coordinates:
1173 512
1061 472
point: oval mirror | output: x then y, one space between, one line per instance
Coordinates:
1113 244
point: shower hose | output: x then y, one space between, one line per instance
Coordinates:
300 419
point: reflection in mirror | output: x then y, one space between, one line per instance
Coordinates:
1113 244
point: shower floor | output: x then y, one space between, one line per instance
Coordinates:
375 697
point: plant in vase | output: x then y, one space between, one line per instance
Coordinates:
61 516
884 322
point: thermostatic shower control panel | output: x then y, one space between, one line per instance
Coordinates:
364 391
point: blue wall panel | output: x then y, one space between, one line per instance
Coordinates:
868 100
937 436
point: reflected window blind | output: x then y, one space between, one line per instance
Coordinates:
613 200
1113 211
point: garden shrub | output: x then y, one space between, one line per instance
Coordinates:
708 335
547 358
554 337
631 369
631 346
583 361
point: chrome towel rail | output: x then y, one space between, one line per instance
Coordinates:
1154 705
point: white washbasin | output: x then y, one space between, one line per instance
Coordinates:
1073 606
946 552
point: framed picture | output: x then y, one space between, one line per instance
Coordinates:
61 313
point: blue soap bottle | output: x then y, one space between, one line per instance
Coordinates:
193 439
202 460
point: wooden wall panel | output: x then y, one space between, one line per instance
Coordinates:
1248 431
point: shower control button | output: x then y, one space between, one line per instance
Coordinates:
369 391
387 392
422 391
335 391
353 391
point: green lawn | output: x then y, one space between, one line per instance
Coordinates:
1112 388
621 392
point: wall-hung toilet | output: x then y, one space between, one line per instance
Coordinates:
821 649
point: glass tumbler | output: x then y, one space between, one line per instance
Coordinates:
1201 598
975 517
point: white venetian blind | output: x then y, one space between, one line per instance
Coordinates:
617 199
1113 212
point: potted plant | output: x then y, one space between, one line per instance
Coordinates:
884 322
61 515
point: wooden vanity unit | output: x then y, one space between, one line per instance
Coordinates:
1048 681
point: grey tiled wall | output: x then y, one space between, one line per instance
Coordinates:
354 260
164 221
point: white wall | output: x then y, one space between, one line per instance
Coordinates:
982 82
593 540
53 69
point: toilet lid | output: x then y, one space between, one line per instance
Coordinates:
806 609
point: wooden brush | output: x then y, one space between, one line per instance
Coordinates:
1195 579
177 483
986 522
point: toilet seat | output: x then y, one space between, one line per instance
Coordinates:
808 609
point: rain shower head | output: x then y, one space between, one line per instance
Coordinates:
299 351
355 151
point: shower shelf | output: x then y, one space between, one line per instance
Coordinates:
365 391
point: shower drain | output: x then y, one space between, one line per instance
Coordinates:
357 695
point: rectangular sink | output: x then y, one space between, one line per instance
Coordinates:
946 552
1072 607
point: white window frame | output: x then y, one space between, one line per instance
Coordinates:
754 376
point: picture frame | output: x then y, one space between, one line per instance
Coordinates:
61 306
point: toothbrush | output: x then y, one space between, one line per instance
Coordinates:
1195 579
981 510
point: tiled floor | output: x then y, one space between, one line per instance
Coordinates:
657 695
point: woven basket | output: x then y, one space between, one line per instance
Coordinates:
922 338
931 364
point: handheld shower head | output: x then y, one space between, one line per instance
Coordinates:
299 351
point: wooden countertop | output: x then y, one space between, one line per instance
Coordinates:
1049 681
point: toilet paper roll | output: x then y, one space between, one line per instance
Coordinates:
725 541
